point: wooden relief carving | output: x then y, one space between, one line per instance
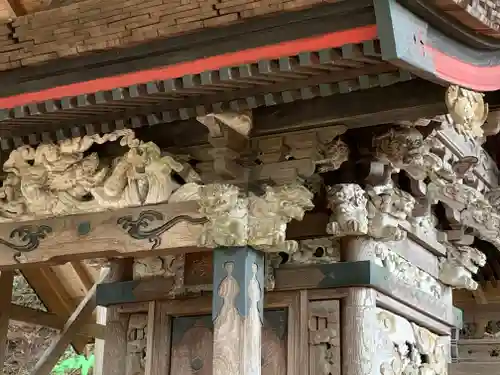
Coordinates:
136 344
192 345
198 269
404 347
26 238
141 228
324 338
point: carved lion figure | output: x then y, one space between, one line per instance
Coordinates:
349 214
270 213
227 212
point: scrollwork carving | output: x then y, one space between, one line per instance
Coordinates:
139 228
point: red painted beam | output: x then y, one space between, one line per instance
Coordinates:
453 70
330 40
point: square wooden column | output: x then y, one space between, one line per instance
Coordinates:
237 310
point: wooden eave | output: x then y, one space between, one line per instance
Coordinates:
445 54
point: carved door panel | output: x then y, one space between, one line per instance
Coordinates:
324 338
192 344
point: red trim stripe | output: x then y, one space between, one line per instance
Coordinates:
330 40
453 70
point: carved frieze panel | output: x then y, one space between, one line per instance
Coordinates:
404 270
136 344
404 347
61 179
324 338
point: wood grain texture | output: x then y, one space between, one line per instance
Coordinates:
79 317
158 340
358 332
6 284
106 237
42 318
115 346
324 338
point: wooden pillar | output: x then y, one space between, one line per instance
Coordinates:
237 310
115 342
359 316
359 328
101 313
6 283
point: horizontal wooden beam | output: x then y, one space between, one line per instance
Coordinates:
51 320
336 275
107 234
360 109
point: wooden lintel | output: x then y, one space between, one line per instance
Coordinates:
336 275
51 320
106 234
74 324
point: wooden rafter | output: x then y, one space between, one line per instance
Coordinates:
74 324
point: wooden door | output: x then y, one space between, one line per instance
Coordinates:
192 341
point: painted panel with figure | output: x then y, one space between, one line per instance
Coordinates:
192 344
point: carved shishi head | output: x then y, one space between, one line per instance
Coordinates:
400 147
218 198
291 200
335 154
347 196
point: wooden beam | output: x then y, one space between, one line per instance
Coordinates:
74 324
51 320
6 284
336 275
51 291
83 274
364 108
107 234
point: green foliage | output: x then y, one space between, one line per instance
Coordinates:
74 363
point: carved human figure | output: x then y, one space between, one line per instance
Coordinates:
227 324
253 324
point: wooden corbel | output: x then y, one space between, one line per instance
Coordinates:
228 135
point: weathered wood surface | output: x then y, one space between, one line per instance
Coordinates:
99 235
42 318
237 311
6 285
74 324
337 275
